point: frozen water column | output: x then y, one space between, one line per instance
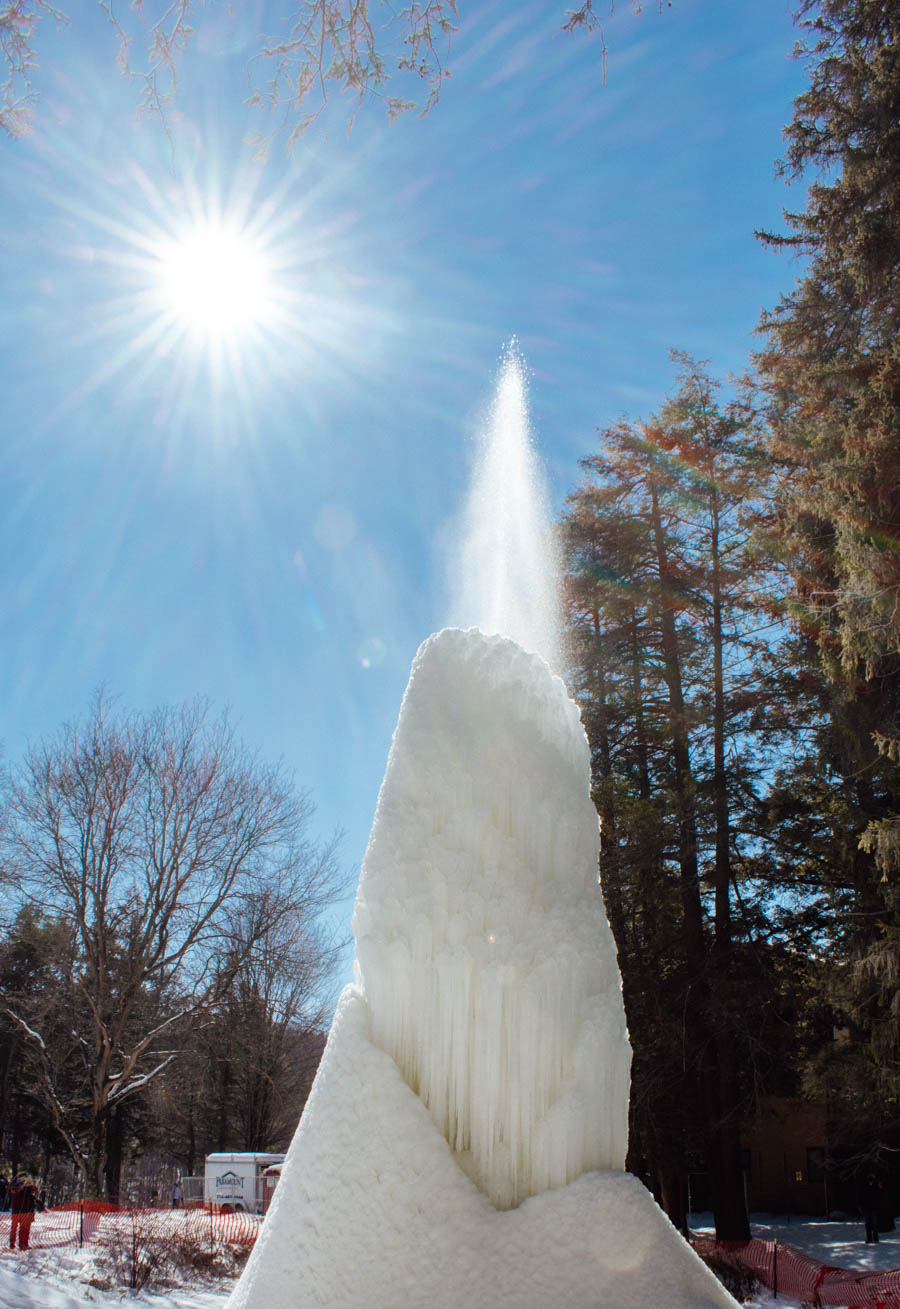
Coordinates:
483 948
485 1030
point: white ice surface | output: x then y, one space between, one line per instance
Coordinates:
373 1212
482 942
464 1141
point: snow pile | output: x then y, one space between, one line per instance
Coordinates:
482 1054
482 942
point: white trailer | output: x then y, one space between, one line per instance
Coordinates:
235 1181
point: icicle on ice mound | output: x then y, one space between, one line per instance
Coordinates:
463 1145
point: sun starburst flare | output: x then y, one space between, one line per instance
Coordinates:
216 281
205 302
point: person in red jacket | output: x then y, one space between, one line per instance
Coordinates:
21 1203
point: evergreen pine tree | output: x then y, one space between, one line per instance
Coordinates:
830 370
659 571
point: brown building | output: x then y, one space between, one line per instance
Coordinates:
786 1158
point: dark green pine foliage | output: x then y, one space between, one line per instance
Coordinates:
830 371
831 366
661 613
35 967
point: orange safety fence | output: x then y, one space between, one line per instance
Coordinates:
80 1223
790 1272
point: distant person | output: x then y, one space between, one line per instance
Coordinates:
177 1195
21 1202
154 1199
4 1192
40 1203
870 1201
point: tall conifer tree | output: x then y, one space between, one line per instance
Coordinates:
658 571
831 372
831 366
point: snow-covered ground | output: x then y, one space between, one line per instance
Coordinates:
841 1245
194 1260
56 1279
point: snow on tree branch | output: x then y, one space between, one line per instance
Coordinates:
29 1031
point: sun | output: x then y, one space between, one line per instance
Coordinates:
215 281
210 300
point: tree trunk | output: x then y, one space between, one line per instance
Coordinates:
717 1063
720 779
95 1163
225 1097
640 727
192 1138
681 758
4 1083
671 1194
723 1147
113 1167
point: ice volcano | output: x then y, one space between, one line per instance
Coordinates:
463 1145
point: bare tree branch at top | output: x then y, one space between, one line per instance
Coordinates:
19 21
362 49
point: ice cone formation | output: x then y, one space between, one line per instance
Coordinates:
484 952
464 1142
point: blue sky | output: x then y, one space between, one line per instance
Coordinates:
268 527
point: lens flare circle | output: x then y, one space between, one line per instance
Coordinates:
216 281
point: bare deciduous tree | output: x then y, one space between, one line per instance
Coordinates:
244 1081
169 848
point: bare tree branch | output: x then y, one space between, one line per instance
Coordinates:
364 49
